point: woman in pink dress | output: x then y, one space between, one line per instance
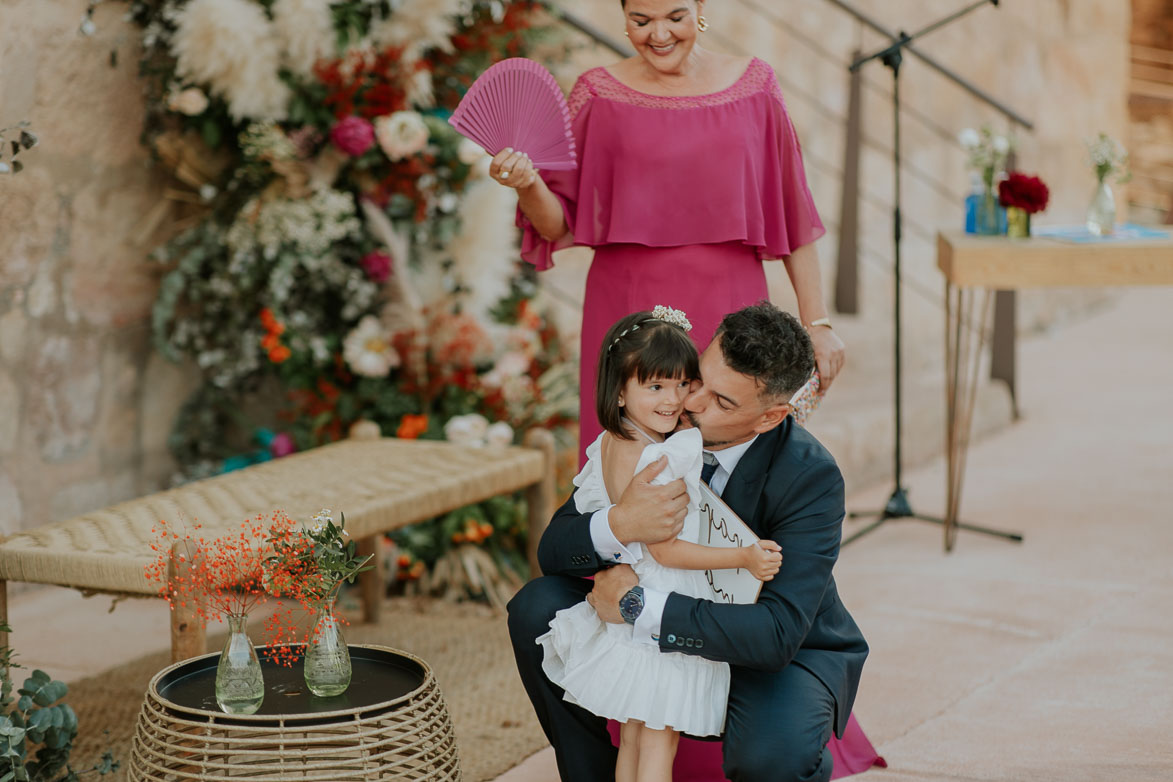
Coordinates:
690 176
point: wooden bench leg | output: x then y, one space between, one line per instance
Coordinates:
540 497
370 584
3 611
188 635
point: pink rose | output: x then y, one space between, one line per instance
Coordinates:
377 265
282 445
353 135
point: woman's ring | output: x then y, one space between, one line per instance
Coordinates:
505 174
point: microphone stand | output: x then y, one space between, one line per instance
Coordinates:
898 506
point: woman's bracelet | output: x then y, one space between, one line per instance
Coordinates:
819 322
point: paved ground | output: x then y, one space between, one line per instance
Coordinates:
1050 660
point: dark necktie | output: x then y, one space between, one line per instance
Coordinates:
709 468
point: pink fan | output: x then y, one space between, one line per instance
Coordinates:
516 103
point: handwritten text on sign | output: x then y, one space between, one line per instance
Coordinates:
720 526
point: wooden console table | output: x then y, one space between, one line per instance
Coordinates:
977 266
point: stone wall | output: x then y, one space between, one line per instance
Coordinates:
85 404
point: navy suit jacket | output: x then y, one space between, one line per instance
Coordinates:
786 487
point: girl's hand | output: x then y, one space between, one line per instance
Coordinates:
764 559
513 169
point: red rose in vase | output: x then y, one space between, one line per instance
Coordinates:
1028 193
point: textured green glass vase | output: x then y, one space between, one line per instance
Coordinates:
240 686
327 658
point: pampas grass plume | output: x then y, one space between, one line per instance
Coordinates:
230 46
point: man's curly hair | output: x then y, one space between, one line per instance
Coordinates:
770 346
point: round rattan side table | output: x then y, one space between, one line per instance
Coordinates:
391 724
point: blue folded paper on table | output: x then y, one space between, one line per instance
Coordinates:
1080 233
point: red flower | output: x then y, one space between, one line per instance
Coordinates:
1028 193
412 426
353 135
377 265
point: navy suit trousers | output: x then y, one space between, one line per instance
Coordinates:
776 730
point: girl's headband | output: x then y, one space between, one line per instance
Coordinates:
659 312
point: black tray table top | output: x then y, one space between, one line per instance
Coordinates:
379 679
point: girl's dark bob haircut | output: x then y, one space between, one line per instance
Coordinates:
642 347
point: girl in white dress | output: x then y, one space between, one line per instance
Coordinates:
647 367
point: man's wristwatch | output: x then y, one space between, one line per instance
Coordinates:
631 605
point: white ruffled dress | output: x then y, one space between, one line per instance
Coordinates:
601 666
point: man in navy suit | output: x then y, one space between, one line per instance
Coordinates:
796 654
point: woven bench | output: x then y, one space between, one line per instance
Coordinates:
381 485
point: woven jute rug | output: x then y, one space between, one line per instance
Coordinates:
466 645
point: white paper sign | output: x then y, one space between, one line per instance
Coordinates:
721 527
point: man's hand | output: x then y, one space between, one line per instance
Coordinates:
610 585
830 353
648 513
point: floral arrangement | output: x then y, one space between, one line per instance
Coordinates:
987 152
340 257
1108 158
227 575
312 563
1027 193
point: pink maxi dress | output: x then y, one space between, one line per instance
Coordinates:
682 198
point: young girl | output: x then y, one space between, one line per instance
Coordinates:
646 369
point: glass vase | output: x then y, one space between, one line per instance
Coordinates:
240 686
986 218
327 658
1101 214
1017 222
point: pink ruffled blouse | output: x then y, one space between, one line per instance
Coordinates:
670 171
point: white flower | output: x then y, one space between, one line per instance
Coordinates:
191 101
368 350
306 31
513 363
969 139
320 520
469 430
1001 145
469 152
447 203
499 435
401 134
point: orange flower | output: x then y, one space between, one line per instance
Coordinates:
279 354
270 341
267 319
412 426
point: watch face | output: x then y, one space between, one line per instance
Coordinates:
631 604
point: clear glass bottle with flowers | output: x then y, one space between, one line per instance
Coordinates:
987 152
310 566
1109 160
225 578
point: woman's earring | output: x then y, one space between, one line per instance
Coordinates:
702 24
625 32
